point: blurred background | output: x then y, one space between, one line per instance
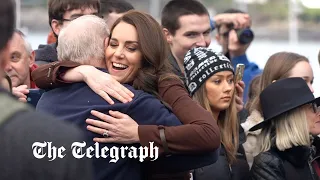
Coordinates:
279 25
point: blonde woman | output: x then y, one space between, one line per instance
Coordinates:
280 65
290 111
210 81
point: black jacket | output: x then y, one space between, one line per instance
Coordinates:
221 169
291 164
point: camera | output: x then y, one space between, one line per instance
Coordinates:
245 36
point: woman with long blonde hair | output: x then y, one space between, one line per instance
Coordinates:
210 81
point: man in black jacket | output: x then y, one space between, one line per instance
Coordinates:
22 130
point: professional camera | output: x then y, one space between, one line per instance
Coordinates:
245 36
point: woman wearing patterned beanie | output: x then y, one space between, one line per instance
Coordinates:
210 81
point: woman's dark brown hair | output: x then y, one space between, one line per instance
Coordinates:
154 49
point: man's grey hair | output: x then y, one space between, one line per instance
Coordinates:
83 39
26 43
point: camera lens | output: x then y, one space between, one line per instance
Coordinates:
245 36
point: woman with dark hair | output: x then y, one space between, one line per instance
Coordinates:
142 62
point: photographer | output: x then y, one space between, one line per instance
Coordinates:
235 41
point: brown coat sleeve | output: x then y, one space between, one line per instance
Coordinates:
47 76
200 132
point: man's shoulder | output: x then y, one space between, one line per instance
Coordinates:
82 90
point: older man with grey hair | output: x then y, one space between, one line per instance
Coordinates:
21 65
84 41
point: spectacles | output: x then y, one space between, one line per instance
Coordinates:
315 108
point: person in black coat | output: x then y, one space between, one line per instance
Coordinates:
290 111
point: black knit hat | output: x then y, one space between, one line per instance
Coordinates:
200 64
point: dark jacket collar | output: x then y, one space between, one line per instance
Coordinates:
298 156
176 68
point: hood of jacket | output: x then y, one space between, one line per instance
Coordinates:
47 53
252 120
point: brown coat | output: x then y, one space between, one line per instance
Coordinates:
199 134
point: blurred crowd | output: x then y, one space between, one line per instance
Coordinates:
112 76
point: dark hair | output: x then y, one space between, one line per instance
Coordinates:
7 22
154 49
117 6
229 11
177 8
57 8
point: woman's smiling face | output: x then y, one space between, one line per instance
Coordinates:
123 55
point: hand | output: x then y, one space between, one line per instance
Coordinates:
239 95
20 92
239 20
121 128
104 85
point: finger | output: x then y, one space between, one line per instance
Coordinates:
118 114
99 124
105 140
239 88
22 87
121 90
105 96
19 95
241 83
25 91
22 100
115 95
96 130
232 37
238 100
124 95
126 90
104 117
236 24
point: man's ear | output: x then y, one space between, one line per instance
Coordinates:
56 26
32 58
168 35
